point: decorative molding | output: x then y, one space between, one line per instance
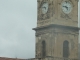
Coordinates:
65 16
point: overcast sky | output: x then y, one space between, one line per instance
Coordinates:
17 18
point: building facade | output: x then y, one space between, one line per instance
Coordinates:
57 30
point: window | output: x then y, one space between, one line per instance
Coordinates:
65 49
43 49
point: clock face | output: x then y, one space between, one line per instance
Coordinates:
44 8
66 7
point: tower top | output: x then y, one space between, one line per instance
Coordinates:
59 12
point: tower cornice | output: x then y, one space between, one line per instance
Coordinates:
55 25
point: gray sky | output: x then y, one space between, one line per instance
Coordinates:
17 18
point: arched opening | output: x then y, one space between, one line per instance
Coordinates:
43 49
65 49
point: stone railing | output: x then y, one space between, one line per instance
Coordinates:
50 58
58 58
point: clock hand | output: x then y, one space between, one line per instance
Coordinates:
66 7
44 8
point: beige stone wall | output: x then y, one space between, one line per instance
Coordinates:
54 38
56 15
56 35
72 37
44 34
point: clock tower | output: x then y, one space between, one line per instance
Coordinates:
57 29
